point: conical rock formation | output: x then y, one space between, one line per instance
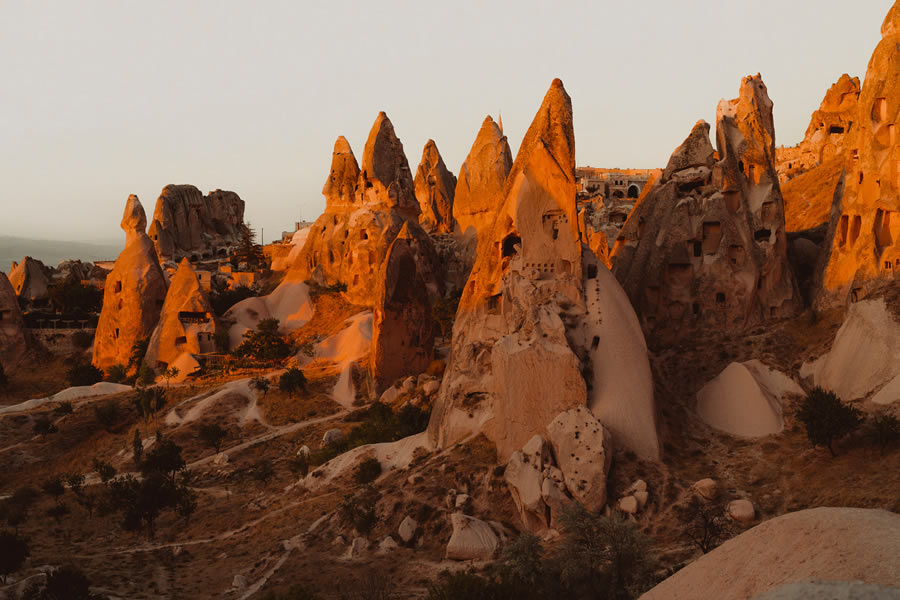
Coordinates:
479 189
134 293
706 247
863 241
435 186
186 327
29 279
364 211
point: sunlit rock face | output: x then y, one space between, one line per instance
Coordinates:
435 186
29 279
12 325
134 293
186 327
188 224
863 243
365 209
402 329
706 247
530 314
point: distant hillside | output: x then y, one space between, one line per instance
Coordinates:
52 252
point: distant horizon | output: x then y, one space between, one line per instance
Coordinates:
104 99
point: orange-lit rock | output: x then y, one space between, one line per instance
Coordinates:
863 242
530 314
12 326
187 324
706 247
435 186
134 293
29 279
479 188
364 211
402 329
187 223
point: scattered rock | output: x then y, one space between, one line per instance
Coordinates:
332 436
707 488
742 511
583 451
642 498
472 539
357 548
387 545
430 388
239 582
628 505
407 529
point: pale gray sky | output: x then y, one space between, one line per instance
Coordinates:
100 99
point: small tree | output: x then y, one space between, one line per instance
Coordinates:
44 426
263 471
706 524
522 560
212 434
367 471
261 384
264 343
83 374
13 552
145 376
107 415
885 430
63 408
292 380
165 458
137 447
827 418
138 352
359 510
67 583
104 470
116 373
170 374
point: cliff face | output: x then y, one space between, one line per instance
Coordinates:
435 186
706 246
365 209
12 325
134 293
861 247
186 223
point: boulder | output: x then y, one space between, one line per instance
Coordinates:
837 544
332 437
705 247
357 548
134 293
706 488
742 511
736 403
583 450
188 224
407 529
29 279
628 505
387 545
187 322
472 539
435 186
524 476
431 387
239 582
642 498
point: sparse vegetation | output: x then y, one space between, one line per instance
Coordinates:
827 419
261 384
367 471
264 343
705 524
116 373
107 415
212 435
292 381
359 510
138 351
169 374
223 299
64 583
83 374
263 471
63 408
295 592
43 426
885 430
13 553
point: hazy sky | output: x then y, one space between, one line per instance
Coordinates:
102 99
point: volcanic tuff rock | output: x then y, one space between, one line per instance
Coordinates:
479 189
706 247
525 325
402 330
12 326
187 324
861 246
364 211
134 293
435 186
29 279
187 223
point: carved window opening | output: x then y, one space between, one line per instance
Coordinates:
510 242
845 228
592 271
696 308
741 166
193 317
633 191
595 343
181 339
118 287
884 232
117 333
855 228
835 129
698 248
762 235
712 235
494 304
720 298
737 255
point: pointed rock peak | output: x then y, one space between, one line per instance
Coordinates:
891 25
185 278
384 152
134 220
500 124
431 149
753 88
342 146
552 127
490 132
695 151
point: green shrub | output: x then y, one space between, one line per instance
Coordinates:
13 552
83 374
82 339
44 426
885 430
222 300
107 415
291 381
116 373
827 418
359 510
367 471
63 408
212 434
264 343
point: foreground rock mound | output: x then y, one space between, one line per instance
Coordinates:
526 324
187 223
12 325
134 293
863 242
706 247
435 186
832 544
365 209
187 325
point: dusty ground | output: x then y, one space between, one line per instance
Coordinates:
265 531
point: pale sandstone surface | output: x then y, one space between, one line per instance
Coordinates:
834 544
12 325
435 186
402 329
29 279
862 247
865 355
707 246
186 223
289 303
472 539
831 590
187 324
583 450
134 293
479 188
